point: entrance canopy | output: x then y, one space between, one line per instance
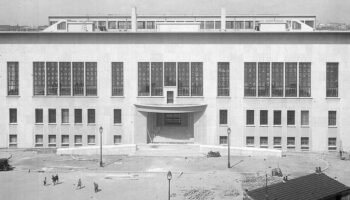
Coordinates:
170 108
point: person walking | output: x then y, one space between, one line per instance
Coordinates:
45 181
79 184
96 187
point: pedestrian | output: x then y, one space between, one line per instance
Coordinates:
45 181
56 177
79 184
96 187
53 178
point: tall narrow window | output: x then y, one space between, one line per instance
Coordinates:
263 117
65 78
291 80
196 79
52 116
117 79
304 79
290 117
332 79
78 116
51 78
264 79
223 79
13 116
250 117
12 78
249 79
277 117
143 79
332 144
277 79
332 118
156 79
91 79
65 116
39 119
117 116
170 74
78 78
183 79
91 116
223 116
304 118
39 78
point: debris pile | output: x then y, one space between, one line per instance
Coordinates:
199 194
251 181
4 164
213 154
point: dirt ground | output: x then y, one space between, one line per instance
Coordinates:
131 177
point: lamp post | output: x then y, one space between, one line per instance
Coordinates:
228 147
101 130
169 176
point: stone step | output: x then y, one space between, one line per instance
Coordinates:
181 150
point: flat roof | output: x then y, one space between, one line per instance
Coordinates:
179 16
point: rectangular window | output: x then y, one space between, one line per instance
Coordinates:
91 78
91 116
264 142
277 117
78 140
209 25
39 141
250 141
264 79
91 140
65 78
277 142
65 140
169 74
102 25
51 78
117 79
196 79
332 79
112 25
52 140
249 79
52 116
291 80
223 116
170 97
263 117
229 24
141 25
332 118
172 119
156 79
117 139
223 79
39 78
239 24
117 116
183 79
304 118
39 116
304 143
13 115
217 24
65 116
12 141
290 117
78 116
290 142
223 140
143 79
121 25
277 79
78 78
332 144
248 25
304 79
12 78
250 117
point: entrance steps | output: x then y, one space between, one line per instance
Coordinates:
174 150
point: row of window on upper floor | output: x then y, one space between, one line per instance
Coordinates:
261 79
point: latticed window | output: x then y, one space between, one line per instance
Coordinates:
304 118
91 116
117 79
277 141
277 117
143 79
65 78
78 140
332 118
290 117
65 140
39 140
13 115
78 116
51 78
223 116
156 79
196 79
250 117
250 141
263 79
169 74
263 117
91 78
183 79
223 140
117 116
277 79
52 116
249 79
12 78
39 78
112 24
264 141
52 140
223 79
91 139
39 116
332 79
65 116
290 141
117 139
332 143
304 79
78 78
304 142
291 79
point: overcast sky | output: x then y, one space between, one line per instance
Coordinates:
36 12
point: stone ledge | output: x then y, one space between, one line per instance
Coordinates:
124 149
241 151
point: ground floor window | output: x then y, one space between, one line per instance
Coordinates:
117 139
117 116
290 142
13 116
65 140
263 117
332 144
277 142
250 141
13 141
78 116
39 116
91 116
52 140
332 118
223 116
223 139
264 142
39 141
78 140
172 119
250 117
277 117
91 140
65 116
290 117
52 116
304 143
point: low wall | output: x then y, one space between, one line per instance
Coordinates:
241 151
126 149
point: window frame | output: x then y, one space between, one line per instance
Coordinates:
91 115
288 122
223 113
13 79
330 119
117 112
76 113
248 117
49 115
264 117
39 111
13 119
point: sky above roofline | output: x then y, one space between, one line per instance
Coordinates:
36 12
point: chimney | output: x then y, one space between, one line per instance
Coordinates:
133 20
223 19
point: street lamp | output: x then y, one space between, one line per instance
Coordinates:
228 147
101 130
169 176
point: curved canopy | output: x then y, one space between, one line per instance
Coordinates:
170 108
